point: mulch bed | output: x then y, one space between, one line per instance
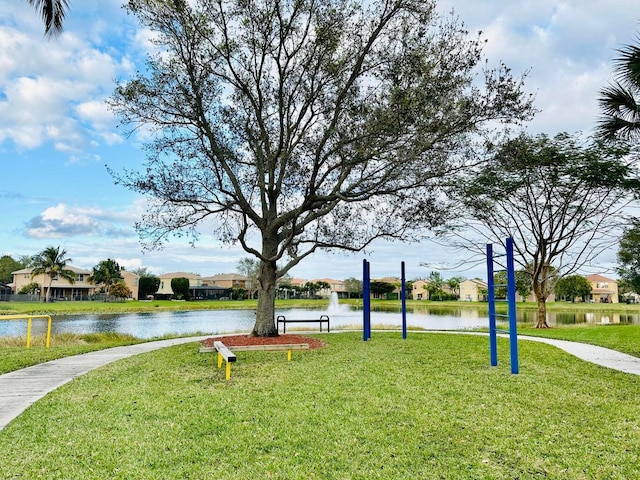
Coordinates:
243 340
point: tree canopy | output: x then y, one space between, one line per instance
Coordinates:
560 199
296 125
629 256
620 100
106 273
572 287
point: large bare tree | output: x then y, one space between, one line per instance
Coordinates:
296 125
561 199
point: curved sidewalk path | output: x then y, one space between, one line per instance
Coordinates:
21 388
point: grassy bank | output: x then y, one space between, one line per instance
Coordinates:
426 407
71 308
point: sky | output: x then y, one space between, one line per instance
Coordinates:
58 140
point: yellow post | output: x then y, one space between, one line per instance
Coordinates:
289 355
49 332
228 372
219 360
28 332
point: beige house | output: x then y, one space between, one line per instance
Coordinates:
419 290
472 290
61 288
195 280
226 280
603 289
335 286
131 281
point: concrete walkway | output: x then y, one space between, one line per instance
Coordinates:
20 389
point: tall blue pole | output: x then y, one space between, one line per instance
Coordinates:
511 298
493 341
366 302
403 295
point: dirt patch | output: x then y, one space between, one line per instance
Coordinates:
243 340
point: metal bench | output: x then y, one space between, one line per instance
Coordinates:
281 319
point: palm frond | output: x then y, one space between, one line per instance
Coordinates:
53 13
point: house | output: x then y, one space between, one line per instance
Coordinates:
227 280
61 288
131 281
419 290
334 286
473 290
165 281
603 289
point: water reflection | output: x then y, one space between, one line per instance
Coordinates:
156 324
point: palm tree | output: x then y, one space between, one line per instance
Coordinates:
53 13
107 272
52 262
620 101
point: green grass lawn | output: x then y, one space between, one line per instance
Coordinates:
426 407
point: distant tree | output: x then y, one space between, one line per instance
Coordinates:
435 286
572 287
379 288
629 255
306 125
523 284
32 288
180 288
250 269
52 13
119 290
8 265
353 286
454 285
620 101
558 198
106 273
52 262
140 271
147 285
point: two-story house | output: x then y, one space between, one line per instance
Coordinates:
61 288
603 289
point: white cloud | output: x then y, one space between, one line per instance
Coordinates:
64 221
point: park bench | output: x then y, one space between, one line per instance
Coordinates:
281 319
225 353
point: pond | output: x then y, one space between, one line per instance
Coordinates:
156 324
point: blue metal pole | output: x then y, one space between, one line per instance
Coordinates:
403 294
365 300
493 341
368 300
511 298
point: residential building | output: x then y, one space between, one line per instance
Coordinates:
419 290
61 288
227 280
334 286
131 281
195 280
473 290
603 289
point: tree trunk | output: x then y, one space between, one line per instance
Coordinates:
265 314
47 296
541 314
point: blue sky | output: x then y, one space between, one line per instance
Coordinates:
57 137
